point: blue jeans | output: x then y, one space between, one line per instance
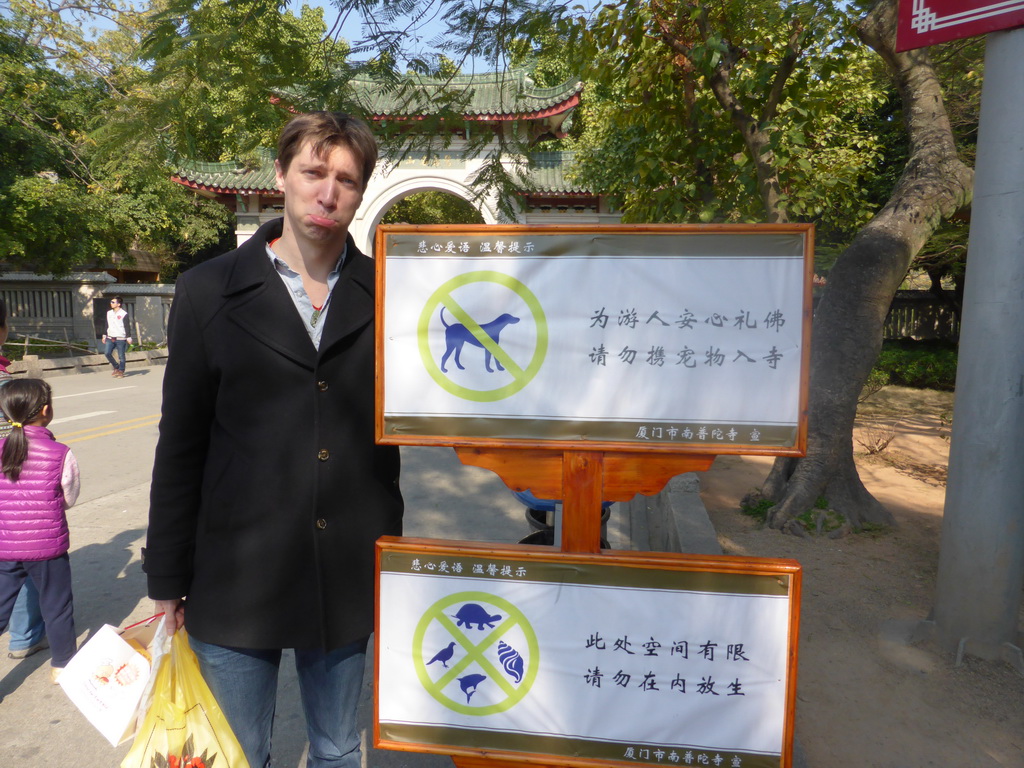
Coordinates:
244 682
27 626
121 345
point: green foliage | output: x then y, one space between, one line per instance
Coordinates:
877 379
661 142
757 507
432 207
205 73
17 347
68 206
919 364
545 55
53 226
657 131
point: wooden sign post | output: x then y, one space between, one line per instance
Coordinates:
485 350
583 479
579 478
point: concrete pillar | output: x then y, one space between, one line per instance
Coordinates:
981 563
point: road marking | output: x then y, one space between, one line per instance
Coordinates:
81 416
95 392
109 429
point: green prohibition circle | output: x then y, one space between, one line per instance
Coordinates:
521 376
475 653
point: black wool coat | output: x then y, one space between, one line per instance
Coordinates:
268 491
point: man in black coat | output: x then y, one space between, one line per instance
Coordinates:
268 491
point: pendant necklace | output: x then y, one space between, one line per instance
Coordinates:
318 311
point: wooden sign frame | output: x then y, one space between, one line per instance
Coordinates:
610 447
585 473
436 560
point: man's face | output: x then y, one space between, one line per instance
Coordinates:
115 304
321 194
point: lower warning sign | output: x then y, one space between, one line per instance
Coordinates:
637 658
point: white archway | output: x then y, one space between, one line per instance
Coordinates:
388 187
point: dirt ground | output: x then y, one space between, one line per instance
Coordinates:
864 698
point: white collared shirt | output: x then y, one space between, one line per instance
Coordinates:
303 304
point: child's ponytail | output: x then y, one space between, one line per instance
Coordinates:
21 401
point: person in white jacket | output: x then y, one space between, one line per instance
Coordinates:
118 336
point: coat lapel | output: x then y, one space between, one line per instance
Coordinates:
258 301
352 304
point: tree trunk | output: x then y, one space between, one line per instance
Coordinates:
847 333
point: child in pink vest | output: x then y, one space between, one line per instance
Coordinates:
38 481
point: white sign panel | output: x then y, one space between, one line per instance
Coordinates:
690 339
506 652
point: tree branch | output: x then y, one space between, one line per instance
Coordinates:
782 75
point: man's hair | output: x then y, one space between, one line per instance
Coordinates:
324 131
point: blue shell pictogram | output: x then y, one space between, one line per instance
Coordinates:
510 660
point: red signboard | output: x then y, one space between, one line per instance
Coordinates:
927 22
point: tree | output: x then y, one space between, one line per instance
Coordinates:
205 75
702 67
934 185
781 136
66 207
432 207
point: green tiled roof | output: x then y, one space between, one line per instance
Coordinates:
548 175
489 94
230 177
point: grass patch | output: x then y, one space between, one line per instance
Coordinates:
819 520
756 506
874 530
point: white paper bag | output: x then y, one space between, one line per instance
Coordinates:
108 677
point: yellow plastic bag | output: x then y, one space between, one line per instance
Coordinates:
184 726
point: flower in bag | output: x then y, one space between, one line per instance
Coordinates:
186 759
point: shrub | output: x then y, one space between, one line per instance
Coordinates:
920 364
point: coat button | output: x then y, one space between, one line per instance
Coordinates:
321 385
324 454
321 523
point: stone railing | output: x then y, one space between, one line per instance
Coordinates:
74 308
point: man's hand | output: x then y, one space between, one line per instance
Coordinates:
174 614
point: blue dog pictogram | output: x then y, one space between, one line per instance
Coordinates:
456 335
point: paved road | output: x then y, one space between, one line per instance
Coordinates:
111 425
